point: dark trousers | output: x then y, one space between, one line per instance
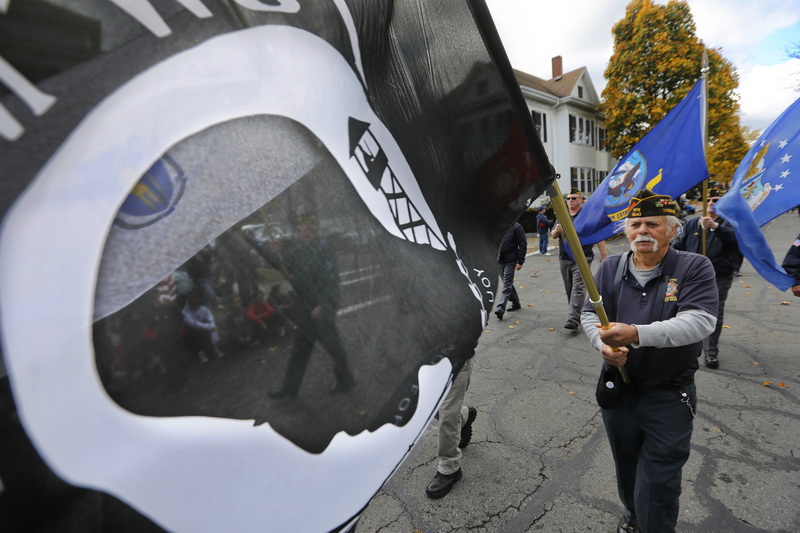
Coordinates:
650 437
199 340
309 332
711 343
507 271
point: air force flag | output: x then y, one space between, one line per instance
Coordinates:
765 185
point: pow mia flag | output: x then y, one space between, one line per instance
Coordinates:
245 247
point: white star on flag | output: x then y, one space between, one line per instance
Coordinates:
785 158
784 174
783 143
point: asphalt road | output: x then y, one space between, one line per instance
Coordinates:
539 459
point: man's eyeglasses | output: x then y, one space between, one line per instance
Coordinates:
713 200
573 197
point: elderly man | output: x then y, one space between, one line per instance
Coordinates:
723 250
662 303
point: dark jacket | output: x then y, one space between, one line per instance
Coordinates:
514 246
721 245
791 263
541 219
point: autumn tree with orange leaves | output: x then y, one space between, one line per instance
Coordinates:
657 60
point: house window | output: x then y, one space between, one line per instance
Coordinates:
540 119
601 175
583 178
601 140
581 130
580 91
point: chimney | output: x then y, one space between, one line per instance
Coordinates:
558 69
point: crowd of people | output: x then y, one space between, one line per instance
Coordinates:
237 295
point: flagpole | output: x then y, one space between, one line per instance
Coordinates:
580 259
704 127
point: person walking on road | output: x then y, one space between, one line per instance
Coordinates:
662 303
723 251
573 282
543 225
511 259
455 434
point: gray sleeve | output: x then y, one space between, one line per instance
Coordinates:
687 327
588 321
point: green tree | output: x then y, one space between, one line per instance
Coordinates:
657 60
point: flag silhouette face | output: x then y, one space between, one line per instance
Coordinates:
267 241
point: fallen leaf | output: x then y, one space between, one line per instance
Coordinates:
487 331
767 383
547 292
746 286
510 327
715 428
786 303
551 329
726 327
530 305
571 393
516 323
755 363
747 293
781 384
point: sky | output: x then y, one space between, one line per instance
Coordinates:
753 36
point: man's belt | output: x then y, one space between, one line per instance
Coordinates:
673 384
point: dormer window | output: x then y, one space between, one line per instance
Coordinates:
580 91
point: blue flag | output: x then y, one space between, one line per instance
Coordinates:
766 184
668 160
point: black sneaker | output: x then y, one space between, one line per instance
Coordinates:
499 314
515 307
466 429
627 527
712 361
442 483
571 325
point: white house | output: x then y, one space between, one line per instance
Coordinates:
564 109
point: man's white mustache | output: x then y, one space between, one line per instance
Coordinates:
644 238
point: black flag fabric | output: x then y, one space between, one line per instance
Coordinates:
246 244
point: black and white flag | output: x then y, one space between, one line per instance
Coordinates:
245 246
